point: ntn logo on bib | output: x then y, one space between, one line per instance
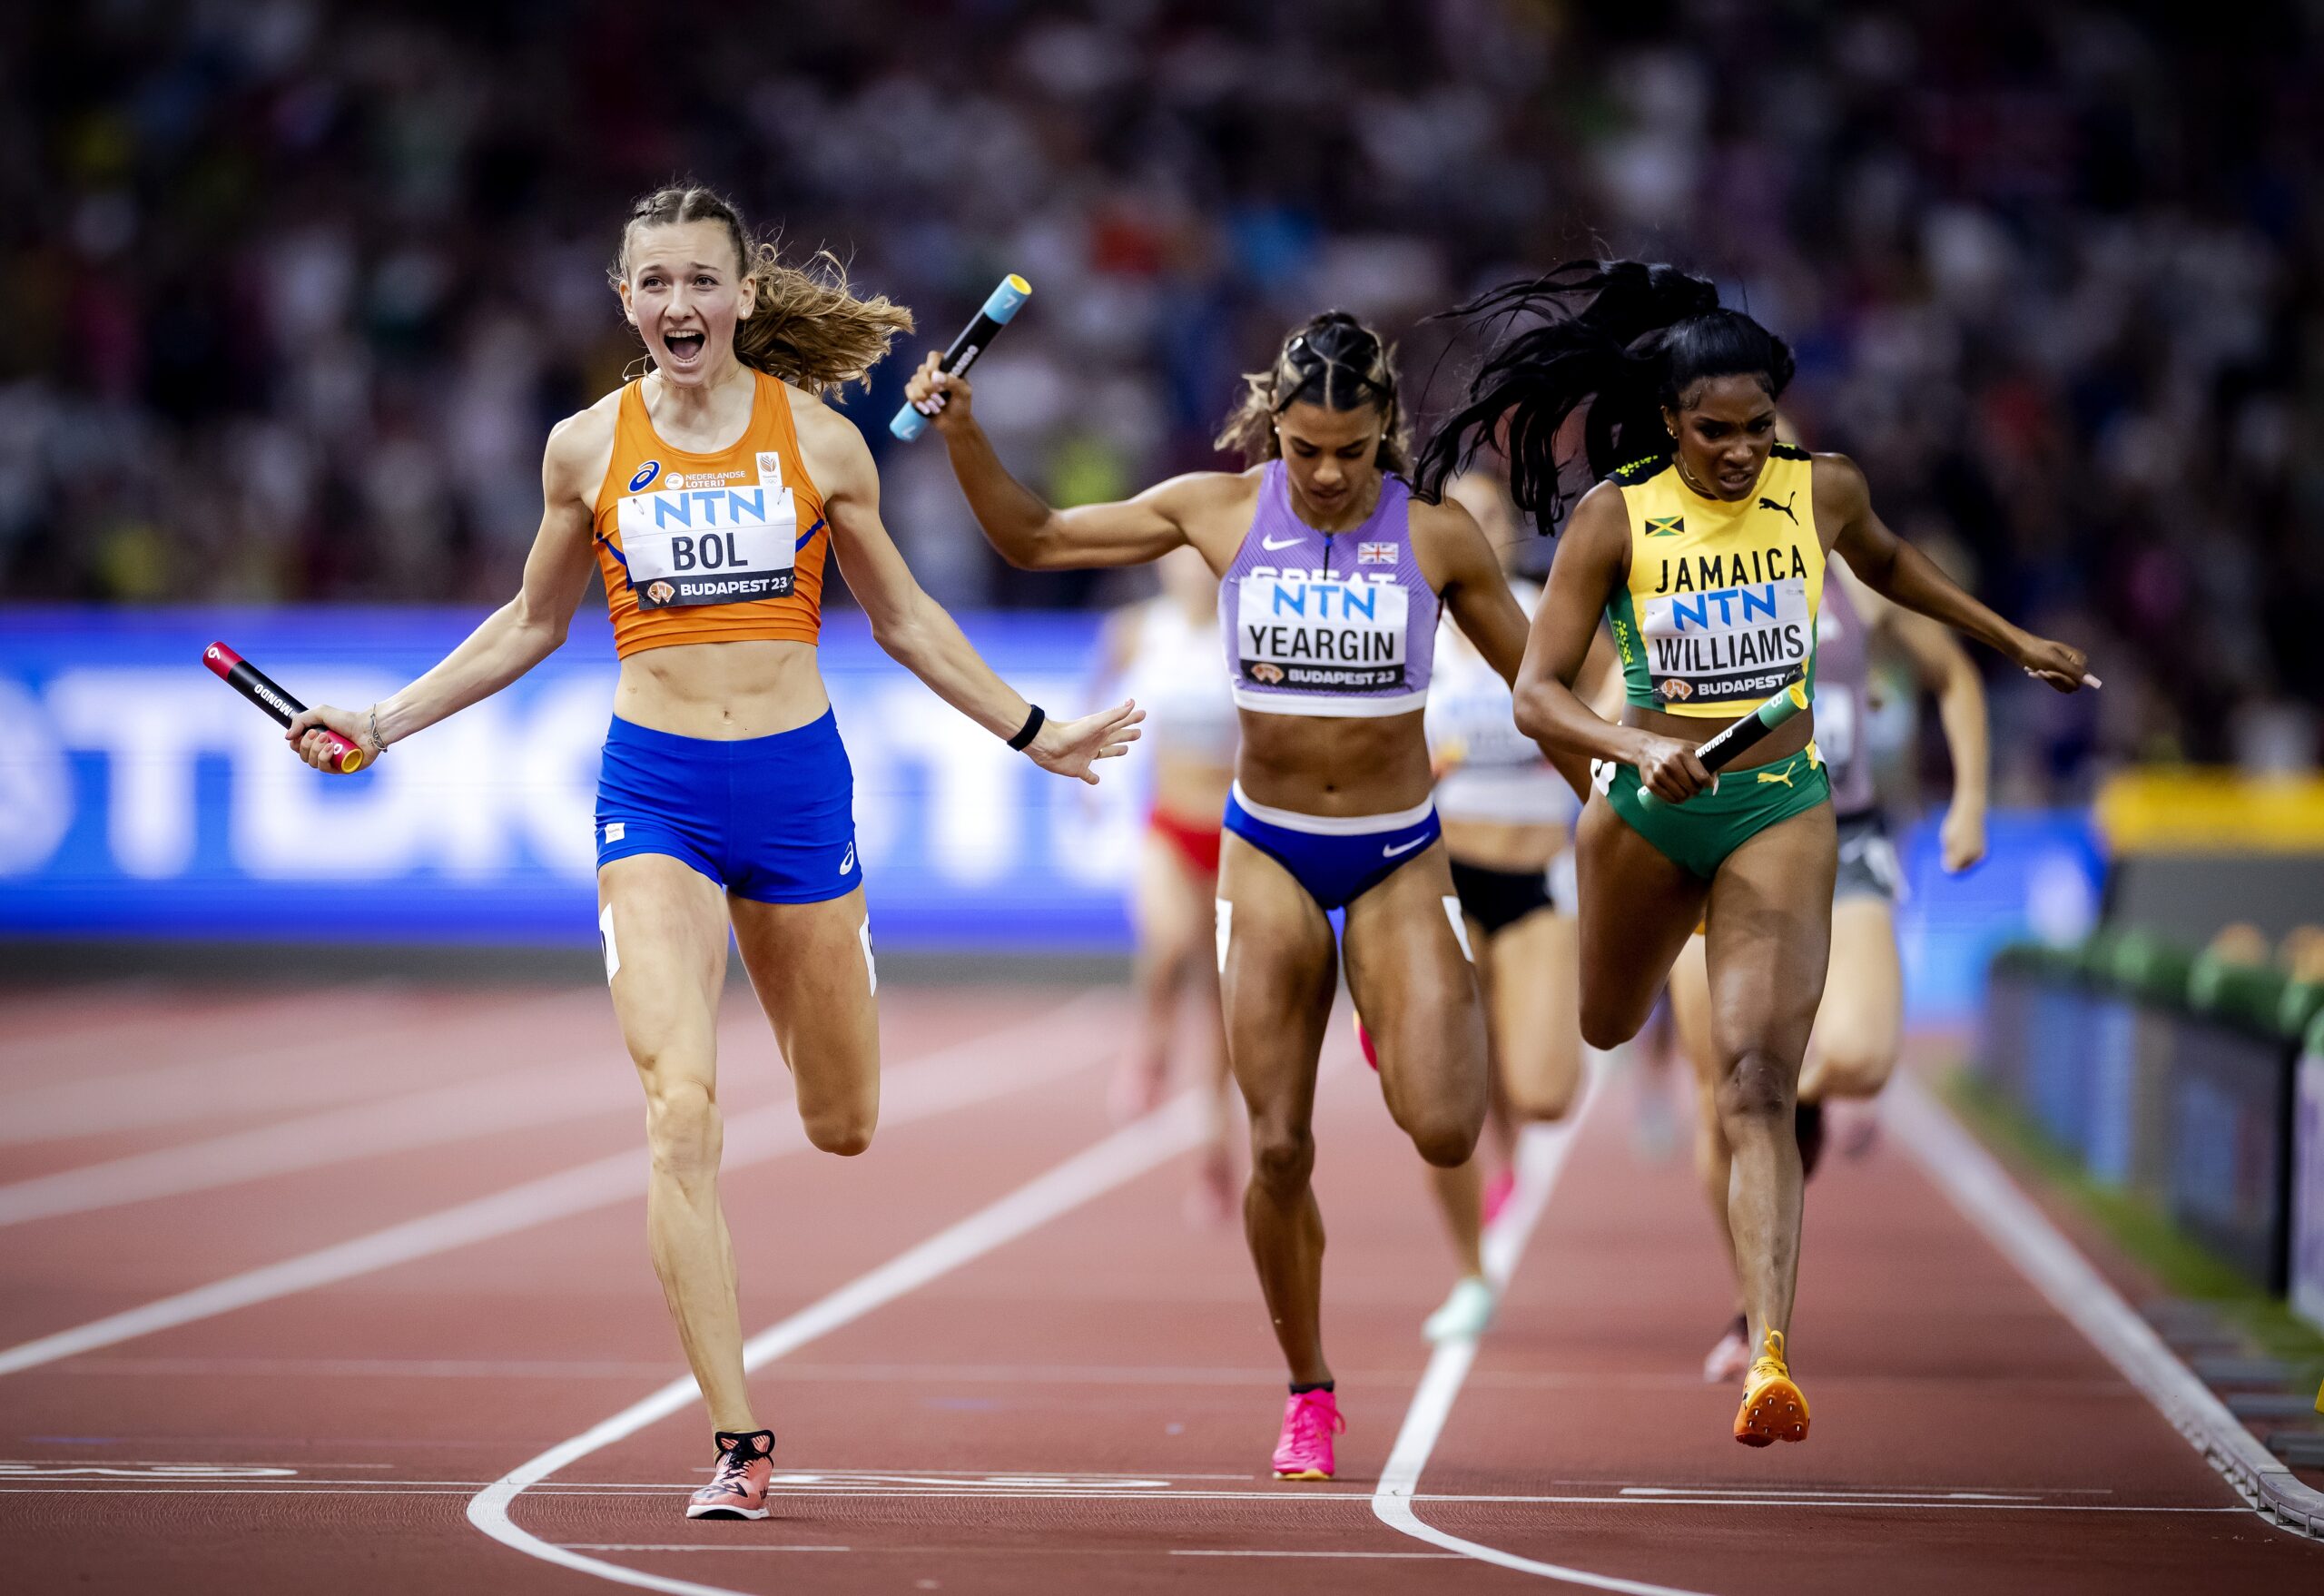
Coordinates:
1728 642
1296 630
709 544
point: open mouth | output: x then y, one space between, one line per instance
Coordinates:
685 348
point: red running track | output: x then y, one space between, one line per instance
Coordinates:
404 1268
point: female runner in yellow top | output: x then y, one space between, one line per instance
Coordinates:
1706 555
706 495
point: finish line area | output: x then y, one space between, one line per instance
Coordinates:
381 1310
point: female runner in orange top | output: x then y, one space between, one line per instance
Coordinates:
706 494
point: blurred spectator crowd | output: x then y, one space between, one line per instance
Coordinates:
295 290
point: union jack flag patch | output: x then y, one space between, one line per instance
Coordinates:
1376 554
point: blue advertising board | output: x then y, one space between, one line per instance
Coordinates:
138 797
141 797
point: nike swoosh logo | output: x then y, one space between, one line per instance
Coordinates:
1271 545
1389 852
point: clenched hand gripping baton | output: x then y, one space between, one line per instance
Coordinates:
1014 290
248 680
1724 749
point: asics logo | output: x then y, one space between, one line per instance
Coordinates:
1390 849
848 863
1272 544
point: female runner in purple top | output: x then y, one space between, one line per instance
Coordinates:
1331 575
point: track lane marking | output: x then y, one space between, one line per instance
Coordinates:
1984 1193
1542 1154
1132 1151
935 1084
210 1087
515 1099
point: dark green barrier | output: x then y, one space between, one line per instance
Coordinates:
2162 1072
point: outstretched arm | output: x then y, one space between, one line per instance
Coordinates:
515 637
1593 555
1946 669
1023 527
1897 571
915 630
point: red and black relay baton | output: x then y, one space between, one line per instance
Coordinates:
251 682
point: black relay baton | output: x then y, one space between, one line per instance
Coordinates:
974 339
251 682
1731 744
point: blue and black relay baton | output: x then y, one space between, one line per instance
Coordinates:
974 339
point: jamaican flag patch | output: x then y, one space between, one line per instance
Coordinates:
1665 526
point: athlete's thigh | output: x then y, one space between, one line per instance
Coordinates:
663 927
1638 908
1861 1021
811 964
1170 907
1412 981
1770 937
1277 970
1532 993
1690 1010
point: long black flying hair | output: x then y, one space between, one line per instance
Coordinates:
1626 339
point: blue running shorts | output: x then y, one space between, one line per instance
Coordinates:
1336 858
770 819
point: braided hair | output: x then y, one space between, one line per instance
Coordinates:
1627 340
1335 361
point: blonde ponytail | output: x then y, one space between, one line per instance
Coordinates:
805 327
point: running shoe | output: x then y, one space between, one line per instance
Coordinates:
1773 1407
1732 1356
1310 1419
1364 1041
738 1489
1465 1314
1499 1190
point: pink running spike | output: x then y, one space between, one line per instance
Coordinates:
738 1489
1310 1419
1498 1191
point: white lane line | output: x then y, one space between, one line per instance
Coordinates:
937 1084
302 1072
1119 1159
518 1099
2022 1234
1383 1556
1350 1499
1541 1156
688 1546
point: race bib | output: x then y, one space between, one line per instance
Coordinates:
710 544
1321 634
1727 642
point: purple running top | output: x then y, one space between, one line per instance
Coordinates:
1336 624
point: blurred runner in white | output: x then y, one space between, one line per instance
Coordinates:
1164 652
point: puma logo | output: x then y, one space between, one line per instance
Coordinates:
1768 504
1769 777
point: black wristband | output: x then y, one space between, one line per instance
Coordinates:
1028 731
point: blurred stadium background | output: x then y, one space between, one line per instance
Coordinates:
295 291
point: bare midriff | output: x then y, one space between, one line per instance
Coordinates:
1192 791
1502 844
721 692
1334 765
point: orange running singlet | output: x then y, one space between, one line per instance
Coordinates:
721 547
